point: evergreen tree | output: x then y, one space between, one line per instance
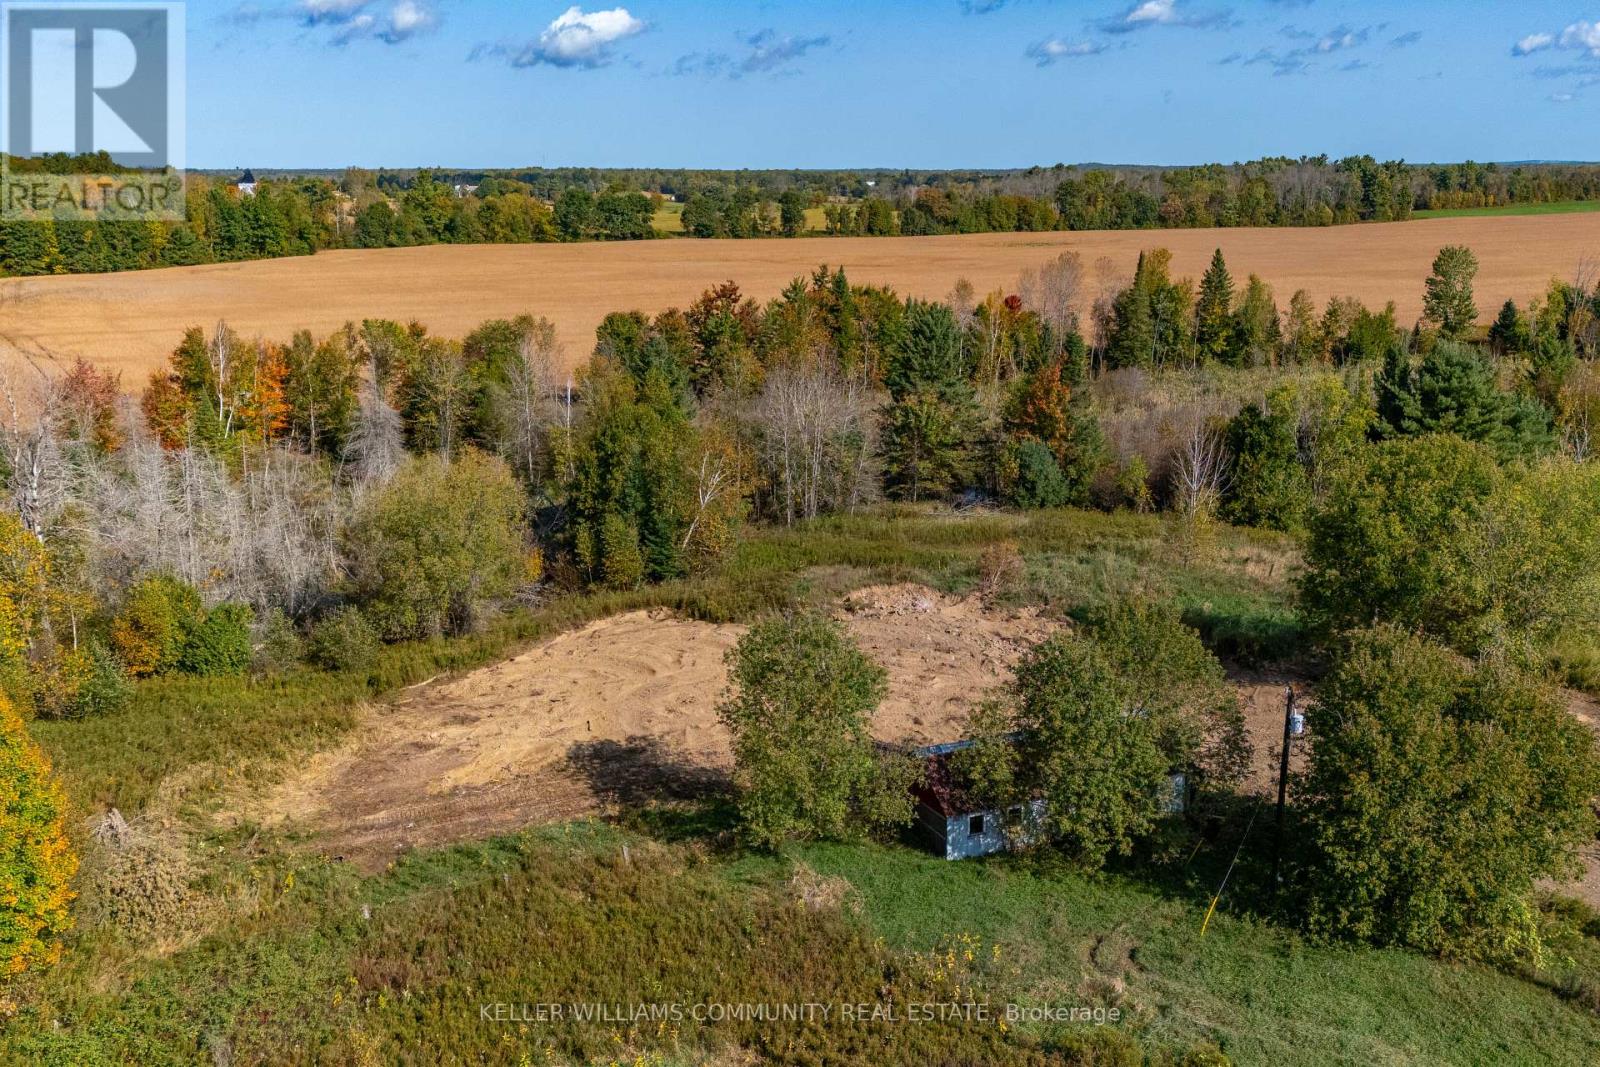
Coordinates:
932 421
1510 333
1214 325
1453 390
1268 487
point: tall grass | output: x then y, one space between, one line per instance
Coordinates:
332 968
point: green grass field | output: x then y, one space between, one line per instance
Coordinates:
1560 207
273 953
669 219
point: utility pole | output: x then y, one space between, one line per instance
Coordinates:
1283 785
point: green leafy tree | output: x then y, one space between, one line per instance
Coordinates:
1257 330
1097 764
575 214
792 212
800 711
432 548
1430 534
1447 299
1437 794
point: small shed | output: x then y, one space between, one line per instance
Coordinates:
953 824
246 183
959 828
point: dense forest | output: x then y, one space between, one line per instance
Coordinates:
299 213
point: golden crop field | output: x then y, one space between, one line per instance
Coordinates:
130 322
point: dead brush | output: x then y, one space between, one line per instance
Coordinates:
137 879
1000 570
818 892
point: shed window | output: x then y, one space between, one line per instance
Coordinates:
975 825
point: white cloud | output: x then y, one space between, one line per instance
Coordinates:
402 21
409 17
1148 13
1155 11
1578 37
1534 42
1047 52
1584 36
1563 98
1341 38
579 39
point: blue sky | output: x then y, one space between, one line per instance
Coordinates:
930 83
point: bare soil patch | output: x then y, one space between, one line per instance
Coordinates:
622 712
616 713
130 322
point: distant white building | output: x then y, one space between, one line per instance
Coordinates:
246 184
464 191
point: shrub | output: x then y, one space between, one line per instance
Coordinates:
279 648
36 862
1436 795
799 710
219 645
1030 477
148 634
344 641
83 683
437 543
1001 569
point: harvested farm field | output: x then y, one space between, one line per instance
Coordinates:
130 322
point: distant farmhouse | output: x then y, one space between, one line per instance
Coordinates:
246 183
463 190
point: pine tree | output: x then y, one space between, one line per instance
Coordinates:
1510 333
1214 326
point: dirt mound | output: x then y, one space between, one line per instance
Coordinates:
943 655
615 713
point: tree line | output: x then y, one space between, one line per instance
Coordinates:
299 214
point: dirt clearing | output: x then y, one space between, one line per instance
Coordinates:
618 712
623 711
131 322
